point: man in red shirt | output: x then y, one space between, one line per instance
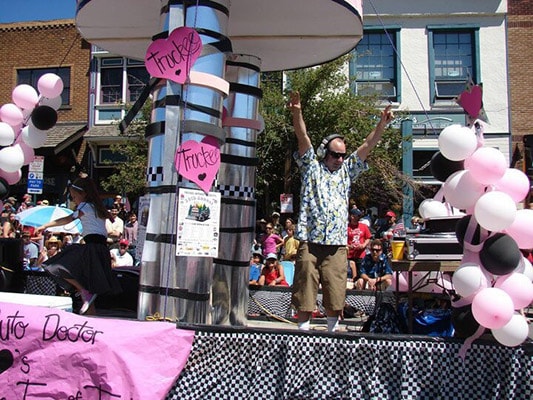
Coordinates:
358 238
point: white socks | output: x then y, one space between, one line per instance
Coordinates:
333 323
304 326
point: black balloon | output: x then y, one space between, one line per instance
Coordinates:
460 230
500 254
442 168
43 117
4 188
463 321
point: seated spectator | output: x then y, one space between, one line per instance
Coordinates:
51 247
272 274
120 257
30 251
256 265
376 271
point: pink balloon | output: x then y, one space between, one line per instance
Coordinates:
461 190
50 85
25 96
11 114
518 287
11 177
521 229
515 183
492 308
487 165
27 151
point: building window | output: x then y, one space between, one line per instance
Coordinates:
454 61
375 66
121 80
31 77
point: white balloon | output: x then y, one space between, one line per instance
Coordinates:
11 158
495 211
430 208
33 137
54 102
457 142
525 267
469 278
461 190
7 134
513 333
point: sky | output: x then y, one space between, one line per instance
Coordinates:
36 10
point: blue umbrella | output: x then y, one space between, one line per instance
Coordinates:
40 215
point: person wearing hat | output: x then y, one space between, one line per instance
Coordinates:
272 274
120 257
327 175
52 246
277 227
358 239
256 266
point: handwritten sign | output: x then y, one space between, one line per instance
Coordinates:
49 353
173 58
199 162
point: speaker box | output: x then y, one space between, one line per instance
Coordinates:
128 278
12 278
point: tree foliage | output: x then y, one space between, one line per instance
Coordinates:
130 176
329 106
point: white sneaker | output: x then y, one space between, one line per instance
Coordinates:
88 299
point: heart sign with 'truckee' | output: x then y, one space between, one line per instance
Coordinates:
173 58
471 101
198 162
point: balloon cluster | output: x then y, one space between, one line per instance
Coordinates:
494 279
23 126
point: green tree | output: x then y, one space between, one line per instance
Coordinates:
329 106
130 176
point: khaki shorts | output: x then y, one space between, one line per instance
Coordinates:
319 264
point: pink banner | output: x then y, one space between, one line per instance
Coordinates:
49 353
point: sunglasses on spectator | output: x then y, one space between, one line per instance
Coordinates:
376 249
269 227
336 155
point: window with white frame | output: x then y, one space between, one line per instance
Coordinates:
30 76
375 65
454 61
120 82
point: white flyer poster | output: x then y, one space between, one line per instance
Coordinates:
198 223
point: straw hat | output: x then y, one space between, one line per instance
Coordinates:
53 240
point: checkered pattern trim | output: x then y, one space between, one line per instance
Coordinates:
278 303
260 365
154 174
236 191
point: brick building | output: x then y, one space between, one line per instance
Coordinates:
30 49
520 39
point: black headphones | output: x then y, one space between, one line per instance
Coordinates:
322 149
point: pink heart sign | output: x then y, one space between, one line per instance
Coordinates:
173 58
198 162
471 101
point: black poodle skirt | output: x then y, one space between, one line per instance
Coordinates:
89 264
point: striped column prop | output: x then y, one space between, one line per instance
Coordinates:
236 183
178 288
